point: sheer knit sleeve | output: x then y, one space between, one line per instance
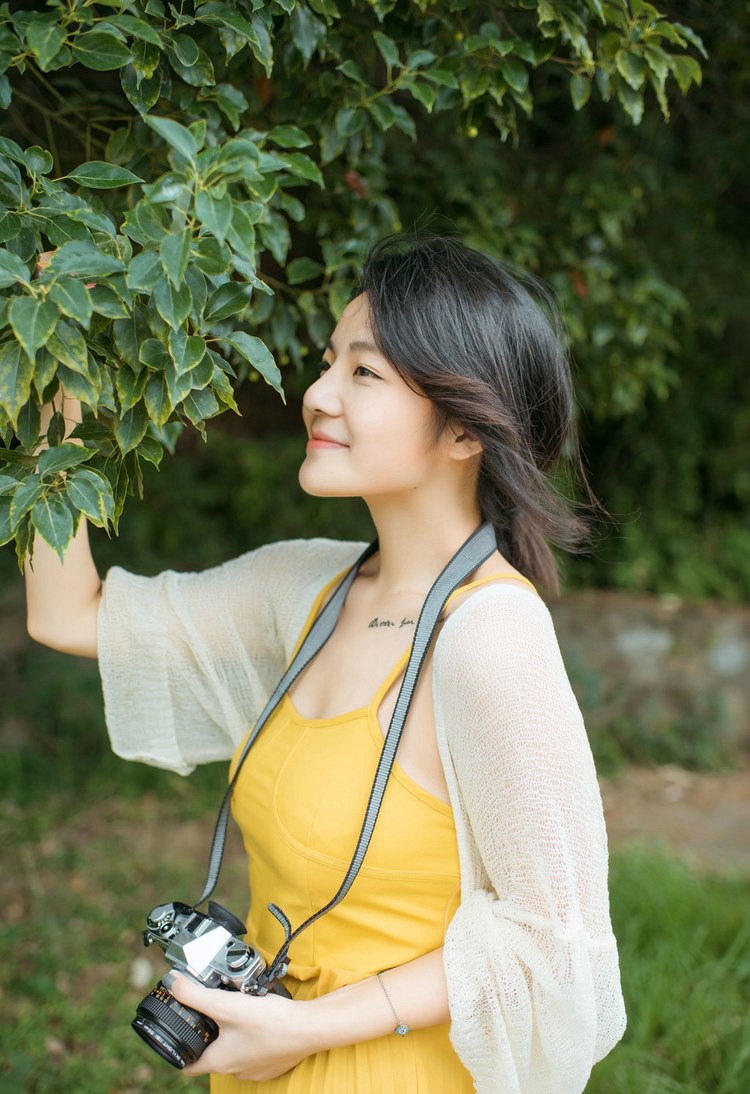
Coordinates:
531 961
187 660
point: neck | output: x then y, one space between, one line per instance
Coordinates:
416 543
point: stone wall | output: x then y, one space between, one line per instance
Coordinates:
661 662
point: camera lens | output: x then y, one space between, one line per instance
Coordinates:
179 1034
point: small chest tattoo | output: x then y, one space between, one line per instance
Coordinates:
377 622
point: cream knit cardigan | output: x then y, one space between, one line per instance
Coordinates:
187 662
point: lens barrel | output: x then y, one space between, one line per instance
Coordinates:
177 1033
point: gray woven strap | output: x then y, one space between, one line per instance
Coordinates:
472 554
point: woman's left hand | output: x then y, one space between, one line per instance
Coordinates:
260 1037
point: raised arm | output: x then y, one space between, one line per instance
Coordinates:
62 598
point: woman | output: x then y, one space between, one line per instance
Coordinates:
479 922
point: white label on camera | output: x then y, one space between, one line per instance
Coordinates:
201 950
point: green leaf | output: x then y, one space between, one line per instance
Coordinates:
215 212
131 428
29 427
16 373
81 260
33 321
12 269
515 73
308 33
300 270
185 47
302 166
289 136
38 160
275 235
142 93
242 232
6 531
138 28
53 521
173 305
261 46
686 71
144 271
100 51
631 100
84 386
105 301
46 38
61 457
150 449
45 370
200 74
185 350
352 70
73 299
175 252
129 335
91 493
10 226
68 345
631 67
255 351
199 405
388 49
98 175
349 120
228 299
154 354
580 91
177 136
157 399
129 385
27 494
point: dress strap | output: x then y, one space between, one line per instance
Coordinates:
508 576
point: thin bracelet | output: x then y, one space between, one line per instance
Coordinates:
401 1027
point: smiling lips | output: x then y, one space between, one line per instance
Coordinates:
322 440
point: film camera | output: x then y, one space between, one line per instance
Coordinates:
209 950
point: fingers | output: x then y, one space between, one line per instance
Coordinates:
206 1000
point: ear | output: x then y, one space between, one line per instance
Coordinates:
462 445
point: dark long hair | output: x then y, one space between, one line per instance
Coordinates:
465 332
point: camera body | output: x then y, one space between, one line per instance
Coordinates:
207 949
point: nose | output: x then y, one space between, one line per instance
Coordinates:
323 395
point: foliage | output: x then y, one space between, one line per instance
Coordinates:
684 946
158 205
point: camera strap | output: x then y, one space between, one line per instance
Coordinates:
472 554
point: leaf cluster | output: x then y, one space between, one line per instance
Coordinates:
161 216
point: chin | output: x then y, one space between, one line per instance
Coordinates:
316 488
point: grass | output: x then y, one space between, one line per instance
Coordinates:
685 958
77 883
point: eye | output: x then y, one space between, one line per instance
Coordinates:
363 370
323 367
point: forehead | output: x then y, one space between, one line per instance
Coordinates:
354 325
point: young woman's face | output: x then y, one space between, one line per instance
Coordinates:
370 434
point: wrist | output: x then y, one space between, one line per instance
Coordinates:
348 1015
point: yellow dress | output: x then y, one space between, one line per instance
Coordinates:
299 802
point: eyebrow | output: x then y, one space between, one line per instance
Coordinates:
356 347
